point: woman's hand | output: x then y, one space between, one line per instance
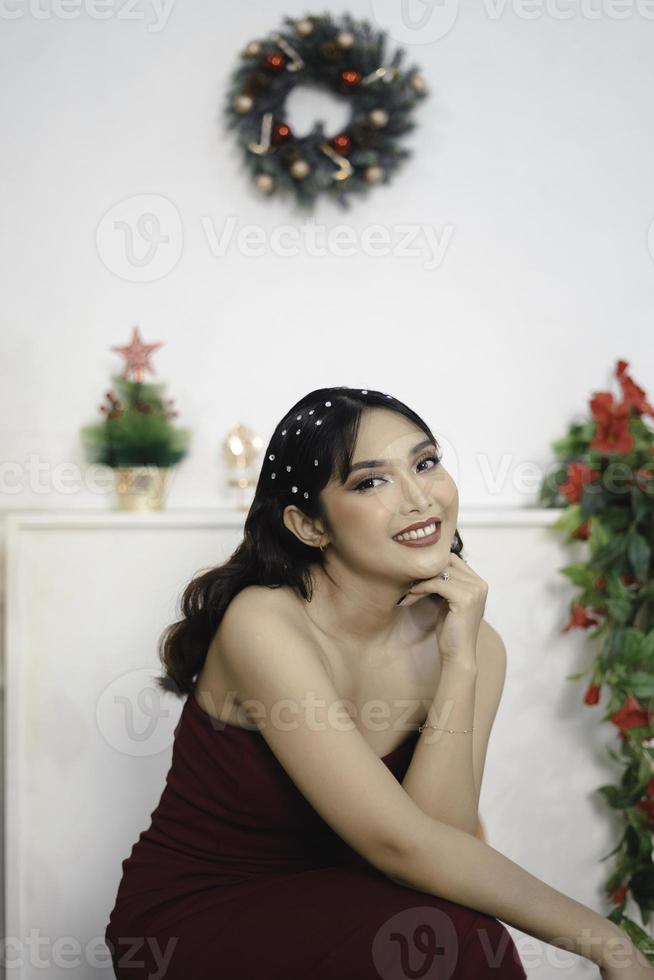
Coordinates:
465 597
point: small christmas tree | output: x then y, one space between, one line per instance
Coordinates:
136 429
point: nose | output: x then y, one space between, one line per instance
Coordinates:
414 492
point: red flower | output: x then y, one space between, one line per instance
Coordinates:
612 431
631 715
628 579
600 582
647 806
579 619
582 531
631 393
592 695
617 894
578 475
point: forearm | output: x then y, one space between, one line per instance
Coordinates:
440 777
451 864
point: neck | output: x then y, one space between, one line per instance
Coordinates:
351 609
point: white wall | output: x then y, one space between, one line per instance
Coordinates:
533 158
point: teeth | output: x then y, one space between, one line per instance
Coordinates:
422 532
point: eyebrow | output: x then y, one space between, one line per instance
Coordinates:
366 464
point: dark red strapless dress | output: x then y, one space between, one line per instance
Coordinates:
239 878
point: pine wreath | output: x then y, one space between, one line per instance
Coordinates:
347 57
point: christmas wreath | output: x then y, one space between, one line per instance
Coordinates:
347 57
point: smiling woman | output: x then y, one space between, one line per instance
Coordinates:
314 840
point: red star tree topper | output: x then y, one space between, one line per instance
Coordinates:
137 356
136 429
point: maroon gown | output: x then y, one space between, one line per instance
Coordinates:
239 878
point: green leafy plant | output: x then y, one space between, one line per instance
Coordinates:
136 429
604 480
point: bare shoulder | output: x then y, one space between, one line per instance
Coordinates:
257 617
491 651
489 637
268 605
253 595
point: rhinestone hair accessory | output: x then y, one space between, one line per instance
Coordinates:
317 421
271 456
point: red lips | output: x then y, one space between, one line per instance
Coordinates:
414 527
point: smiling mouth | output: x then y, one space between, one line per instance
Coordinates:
422 537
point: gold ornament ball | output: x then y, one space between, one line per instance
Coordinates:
374 174
265 183
243 103
252 49
418 83
378 117
300 169
345 39
304 27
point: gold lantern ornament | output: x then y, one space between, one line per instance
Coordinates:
241 451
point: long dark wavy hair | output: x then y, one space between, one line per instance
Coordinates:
312 444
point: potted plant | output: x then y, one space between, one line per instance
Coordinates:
136 436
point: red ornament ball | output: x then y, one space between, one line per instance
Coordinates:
274 61
342 143
281 132
350 77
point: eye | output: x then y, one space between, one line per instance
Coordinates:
428 457
435 459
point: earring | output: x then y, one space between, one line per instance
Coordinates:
323 547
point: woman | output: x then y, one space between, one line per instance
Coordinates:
307 827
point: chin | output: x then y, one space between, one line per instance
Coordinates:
430 560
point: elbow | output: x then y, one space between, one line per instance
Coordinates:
398 857
426 858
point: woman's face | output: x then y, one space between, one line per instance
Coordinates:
377 502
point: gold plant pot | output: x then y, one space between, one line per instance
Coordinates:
142 488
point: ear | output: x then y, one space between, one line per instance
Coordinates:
309 530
